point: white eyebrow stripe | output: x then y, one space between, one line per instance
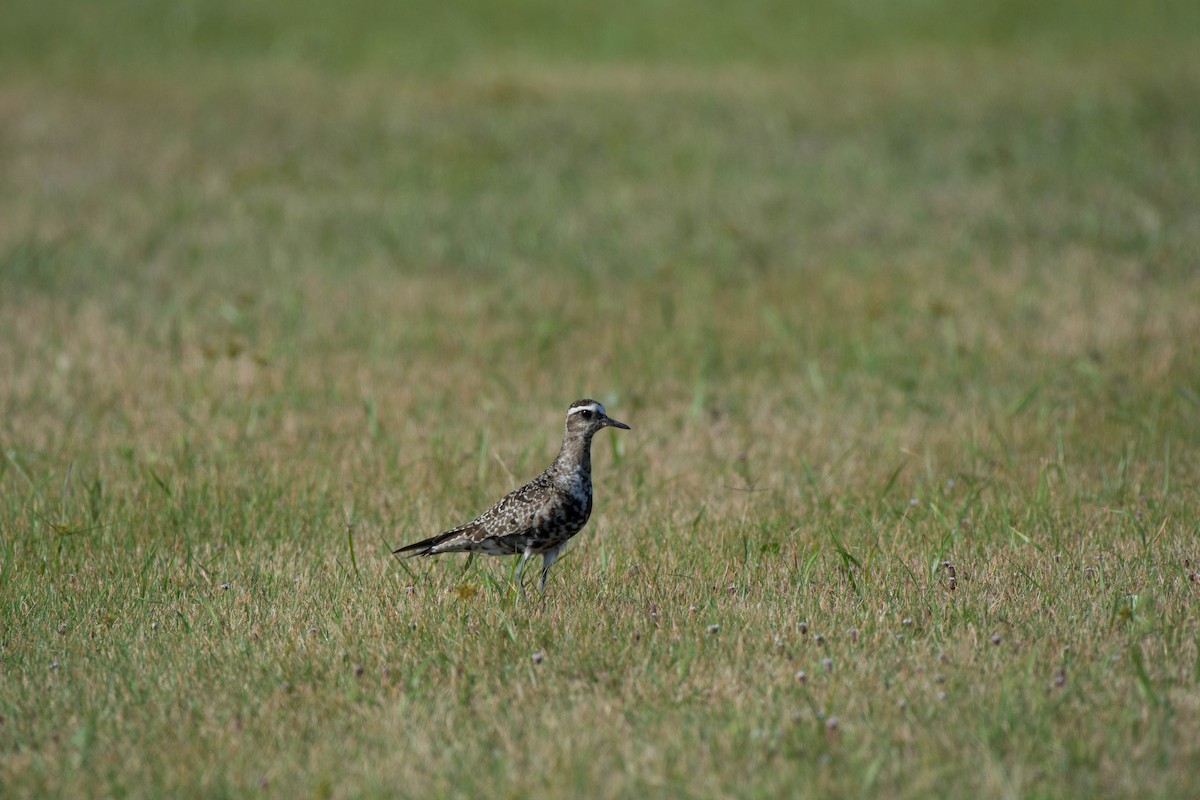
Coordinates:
592 407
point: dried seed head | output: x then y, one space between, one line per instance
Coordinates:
906 621
62 628
995 638
827 663
358 670
802 676
802 627
831 724
714 628
537 657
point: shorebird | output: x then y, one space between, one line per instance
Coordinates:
543 514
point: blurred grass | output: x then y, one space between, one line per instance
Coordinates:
81 36
901 301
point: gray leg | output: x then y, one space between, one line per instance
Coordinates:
548 558
521 569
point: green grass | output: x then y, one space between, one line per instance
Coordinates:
902 302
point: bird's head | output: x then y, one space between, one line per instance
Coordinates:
585 417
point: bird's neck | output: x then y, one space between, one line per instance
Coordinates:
575 457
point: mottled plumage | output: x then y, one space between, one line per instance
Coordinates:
543 514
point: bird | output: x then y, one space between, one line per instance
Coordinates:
539 517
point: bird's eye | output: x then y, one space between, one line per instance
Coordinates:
585 414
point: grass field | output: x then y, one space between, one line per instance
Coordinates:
902 302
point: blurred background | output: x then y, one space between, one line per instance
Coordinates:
836 228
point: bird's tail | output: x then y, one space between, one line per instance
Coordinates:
424 547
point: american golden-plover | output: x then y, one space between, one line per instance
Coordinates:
543 514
